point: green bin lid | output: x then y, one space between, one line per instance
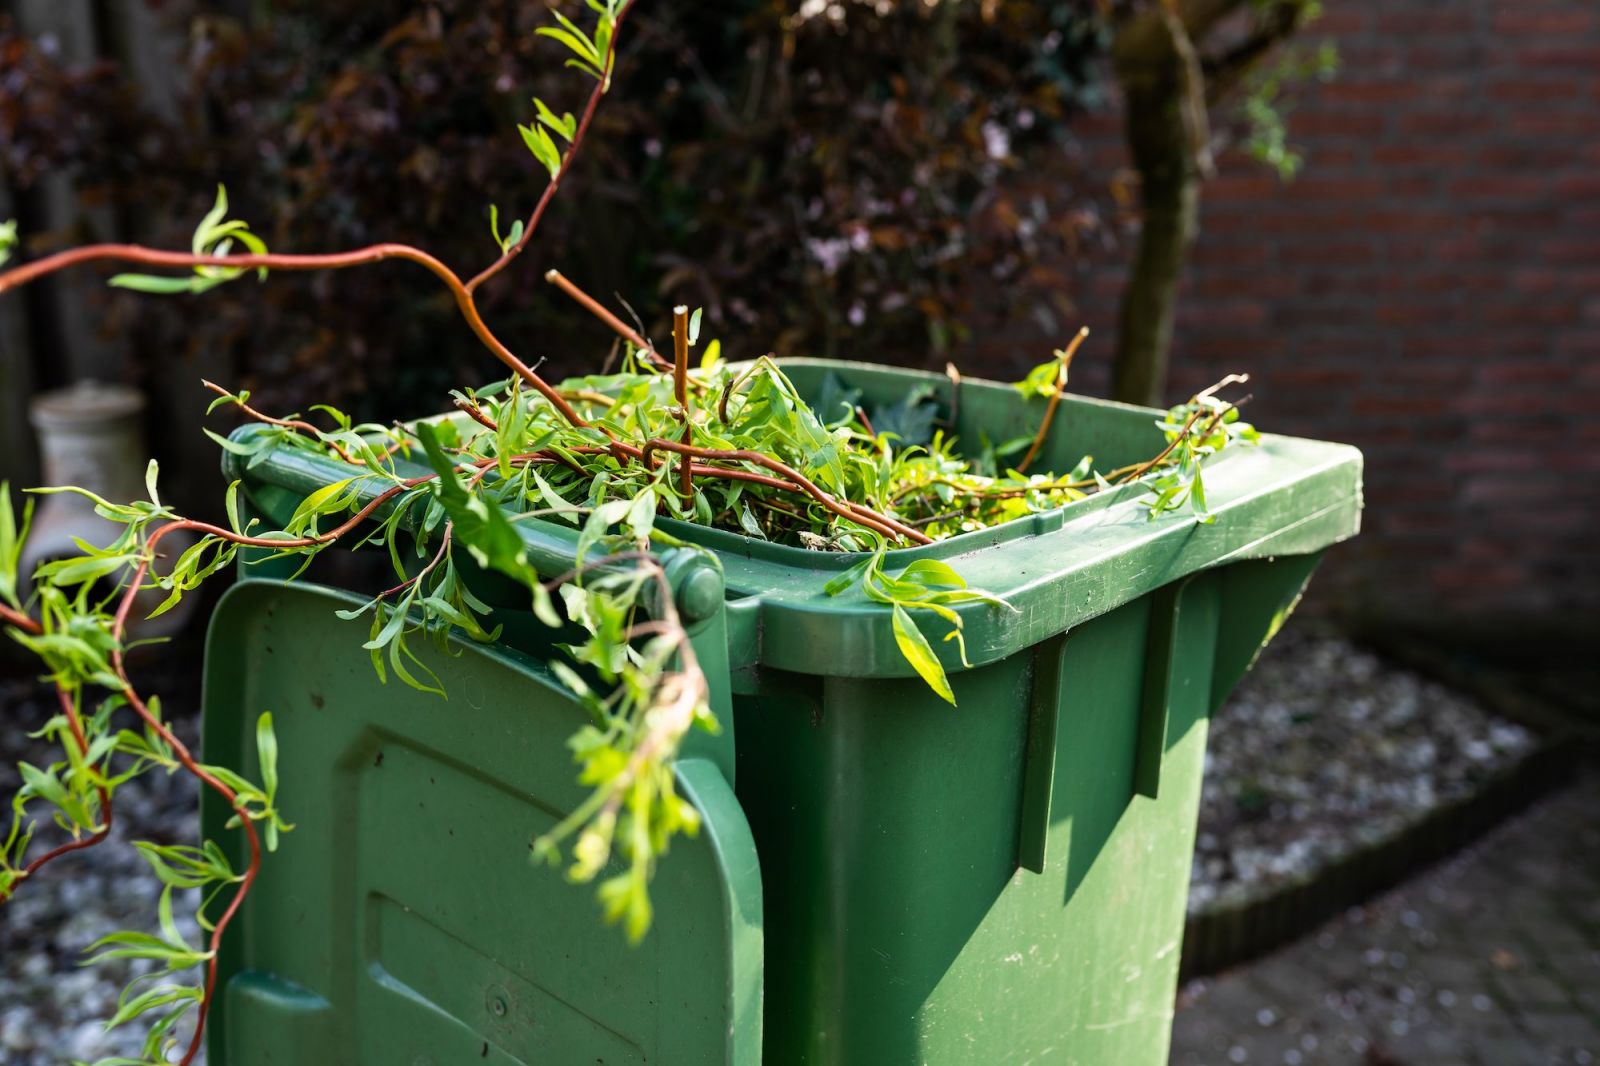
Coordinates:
403 923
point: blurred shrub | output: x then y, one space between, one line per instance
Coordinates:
873 180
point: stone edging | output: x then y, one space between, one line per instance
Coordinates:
1235 931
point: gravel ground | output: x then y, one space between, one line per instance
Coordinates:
1323 745
1321 740
52 1009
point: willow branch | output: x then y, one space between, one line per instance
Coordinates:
377 253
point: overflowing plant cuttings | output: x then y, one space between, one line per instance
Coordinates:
727 445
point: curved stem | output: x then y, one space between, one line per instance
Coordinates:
13 617
600 311
134 253
843 508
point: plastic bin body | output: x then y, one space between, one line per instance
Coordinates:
999 882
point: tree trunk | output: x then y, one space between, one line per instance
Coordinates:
1170 196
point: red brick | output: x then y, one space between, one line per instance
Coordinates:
1537 121
1233 253
1242 183
1410 405
1226 314
1568 22
1371 92
1523 156
1411 154
1425 56
1530 313
1580 249
1556 90
1312 189
1344 21
1577 55
1577 187
1442 20
1310 125
1517 373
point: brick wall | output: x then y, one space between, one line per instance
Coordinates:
1428 289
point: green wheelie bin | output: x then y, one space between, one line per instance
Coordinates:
881 879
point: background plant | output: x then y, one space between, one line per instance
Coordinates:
362 121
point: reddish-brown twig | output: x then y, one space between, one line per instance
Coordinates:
12 617
476 413
1139 470
680 392
1148 465
843 508
600 311
133 253
296 424
1055 400
438 557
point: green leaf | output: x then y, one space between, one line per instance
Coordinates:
642 514
694 326
934 574
574 38
232 506
479 524
317 502
543 148
205 233
267 752
566 125
257 444
151 999
8 239
914 646
587 60
552 499
911 419
12 537
153 284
